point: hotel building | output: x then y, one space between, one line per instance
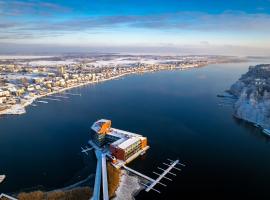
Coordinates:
123 145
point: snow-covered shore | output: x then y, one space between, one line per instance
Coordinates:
128 188
18 109
253 93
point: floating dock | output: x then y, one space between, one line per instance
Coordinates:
42 101
52 99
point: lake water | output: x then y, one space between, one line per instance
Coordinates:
179 113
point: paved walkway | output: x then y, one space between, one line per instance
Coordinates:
96 194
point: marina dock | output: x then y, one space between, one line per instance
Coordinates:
153 182
138 173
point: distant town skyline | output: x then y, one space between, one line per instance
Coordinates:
154 26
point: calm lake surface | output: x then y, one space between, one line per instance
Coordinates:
179 113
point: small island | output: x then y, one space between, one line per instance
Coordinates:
253 96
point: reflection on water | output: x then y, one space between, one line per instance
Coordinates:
179 113
251 129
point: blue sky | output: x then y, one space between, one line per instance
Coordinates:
207 26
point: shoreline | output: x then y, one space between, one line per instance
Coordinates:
253 97
18 109
12 110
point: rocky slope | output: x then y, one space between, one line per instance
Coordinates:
253 93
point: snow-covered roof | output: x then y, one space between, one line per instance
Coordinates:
125 138
115 134
117 142
124 133
12 89
128 142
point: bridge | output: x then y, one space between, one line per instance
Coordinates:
96 194
101 172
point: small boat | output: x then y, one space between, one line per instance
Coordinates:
266 131
2 177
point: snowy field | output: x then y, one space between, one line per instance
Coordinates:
51 62
7 57
19 76
131 60
129 186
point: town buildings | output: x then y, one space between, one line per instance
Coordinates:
21 83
